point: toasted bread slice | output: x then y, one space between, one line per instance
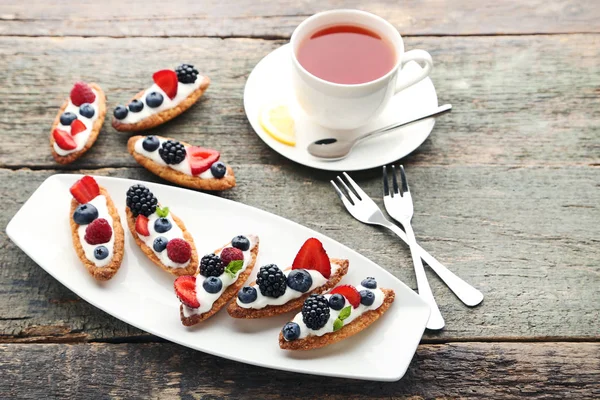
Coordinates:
177 177
354 327
163 116
95 131
108 271
193 264
227 294
239 312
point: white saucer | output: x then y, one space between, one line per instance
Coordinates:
270 82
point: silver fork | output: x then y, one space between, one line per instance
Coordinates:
398 204
364 209
401 202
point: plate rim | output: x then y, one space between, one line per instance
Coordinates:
307 163
57 177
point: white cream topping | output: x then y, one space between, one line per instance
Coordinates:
290 294
206 299
100 203
173 233
82 137
333 314
183 91
183 166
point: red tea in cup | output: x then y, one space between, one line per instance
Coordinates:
346 54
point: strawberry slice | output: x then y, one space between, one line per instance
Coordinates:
77 127
201 158
85 189
64 140
166 79
312 255
350 293
141 225
185 289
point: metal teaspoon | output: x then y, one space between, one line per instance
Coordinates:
333 149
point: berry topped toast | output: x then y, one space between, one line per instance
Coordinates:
172 93
276 292
181 163
78 122
327 319
96 228
159 233
219 278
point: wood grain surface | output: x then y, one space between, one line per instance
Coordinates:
268 19
165 371
523 101
506 190
529 245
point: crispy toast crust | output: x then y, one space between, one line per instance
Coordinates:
69 158
163 116
179 178
354 327
108 271
227 294
191 267
239 312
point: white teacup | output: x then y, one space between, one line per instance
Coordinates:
349 106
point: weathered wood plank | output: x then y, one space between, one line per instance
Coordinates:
165 371
527 237
517 100
278 19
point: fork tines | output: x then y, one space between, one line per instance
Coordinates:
396 189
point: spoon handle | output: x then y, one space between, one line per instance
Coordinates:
438 111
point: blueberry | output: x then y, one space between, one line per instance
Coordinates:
367 297
247 294
162 225
87 110
67 118
136 106
154 99
369 283
150 143
100 252
300 280
218 169
160 243
291 331
240 242
212 284
85 214
337 301
120 112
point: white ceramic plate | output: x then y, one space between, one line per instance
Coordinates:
270 82
142 295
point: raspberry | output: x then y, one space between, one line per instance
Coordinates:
82 93
230 254
98 232
179 251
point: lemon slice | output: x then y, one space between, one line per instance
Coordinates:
277 122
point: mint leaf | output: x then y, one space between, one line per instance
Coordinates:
337 324
162 211
345 313
234 267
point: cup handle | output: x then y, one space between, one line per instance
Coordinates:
420 56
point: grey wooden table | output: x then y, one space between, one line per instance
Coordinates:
507 189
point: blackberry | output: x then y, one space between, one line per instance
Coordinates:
186 73
315 311
172 152
271 281
140 200
211 265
